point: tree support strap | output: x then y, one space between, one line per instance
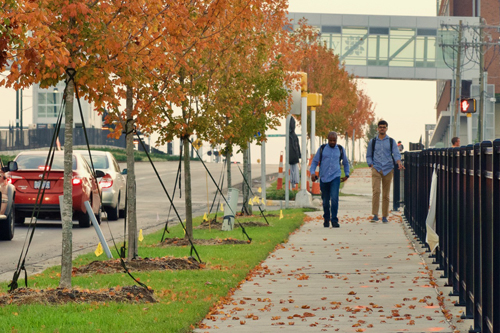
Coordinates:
122 249
218 189
246 182
221 184
177 178
13 285
169 198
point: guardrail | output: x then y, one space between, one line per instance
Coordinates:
467 222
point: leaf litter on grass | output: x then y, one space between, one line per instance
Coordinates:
217 225
138 265
212 241
127 294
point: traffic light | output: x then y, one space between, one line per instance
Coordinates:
468 105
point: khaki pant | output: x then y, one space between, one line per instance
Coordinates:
379 179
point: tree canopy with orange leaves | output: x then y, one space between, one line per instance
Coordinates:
345 107
127 49
363 115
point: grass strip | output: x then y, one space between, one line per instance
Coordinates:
185 297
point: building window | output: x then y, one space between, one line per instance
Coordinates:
49 103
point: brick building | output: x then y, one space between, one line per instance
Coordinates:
489 11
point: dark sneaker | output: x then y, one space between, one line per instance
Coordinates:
374 218
384 219
335 225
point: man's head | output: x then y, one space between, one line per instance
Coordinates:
332 139
455 141
382 127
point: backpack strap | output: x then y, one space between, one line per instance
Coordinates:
321 153
341 157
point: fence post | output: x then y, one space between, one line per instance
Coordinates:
454 248
396 197
487 236
477 239
439 207
468 230
496 233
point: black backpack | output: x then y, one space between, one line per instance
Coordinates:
374 141
321 153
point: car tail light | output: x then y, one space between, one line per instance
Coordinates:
106 181
76 181
13 179
44 168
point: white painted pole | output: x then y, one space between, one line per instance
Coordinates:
287 158
98 230
303 118
469 128
313 130
263 173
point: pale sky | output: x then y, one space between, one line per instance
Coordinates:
406 105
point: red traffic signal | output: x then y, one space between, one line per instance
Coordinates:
468 105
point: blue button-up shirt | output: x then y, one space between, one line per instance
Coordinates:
382 156
330 164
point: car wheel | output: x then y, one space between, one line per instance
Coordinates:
113 212
122 212
83 219
18 218
98 216
7 226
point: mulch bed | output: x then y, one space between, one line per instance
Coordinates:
212 241
138 265
127 294
218 225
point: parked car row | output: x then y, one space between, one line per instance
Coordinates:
32 178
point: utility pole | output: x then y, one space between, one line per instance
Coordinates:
458 81
480 133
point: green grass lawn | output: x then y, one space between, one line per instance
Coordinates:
184 297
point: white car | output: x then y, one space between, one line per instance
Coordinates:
113 184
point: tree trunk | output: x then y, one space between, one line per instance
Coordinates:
67 209
131 203
248 176
228 165
247 209
187 190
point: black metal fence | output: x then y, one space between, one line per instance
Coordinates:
17 139
467 222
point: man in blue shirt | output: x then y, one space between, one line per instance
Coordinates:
328 157
381 158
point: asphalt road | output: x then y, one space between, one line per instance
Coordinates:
152 212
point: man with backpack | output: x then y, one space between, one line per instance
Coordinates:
382 156
328 157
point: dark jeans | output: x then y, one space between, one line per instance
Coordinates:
330 192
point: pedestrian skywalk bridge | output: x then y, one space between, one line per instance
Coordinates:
393 47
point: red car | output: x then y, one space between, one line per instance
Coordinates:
28 180
7 194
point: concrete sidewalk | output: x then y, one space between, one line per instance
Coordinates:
361 277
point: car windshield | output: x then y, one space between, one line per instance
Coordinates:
38 162
100 161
